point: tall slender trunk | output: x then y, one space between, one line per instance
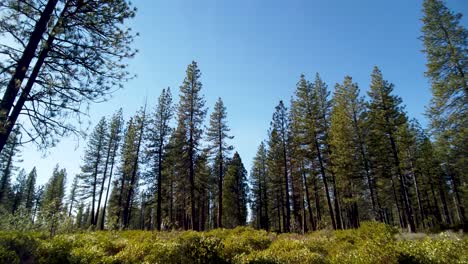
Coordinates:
418 195
260 218
458 202
287 224
192 187
296 204
397 203
265 197
95 182
108 188
325 183
219 220
278 209
309 207
436 210
317 201
106 165
403 189
159 183
365 161
443 199
191 153
127 209
283 212
339 218
171 201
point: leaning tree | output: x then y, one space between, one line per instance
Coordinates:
56 57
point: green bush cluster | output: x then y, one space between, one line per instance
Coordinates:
371 243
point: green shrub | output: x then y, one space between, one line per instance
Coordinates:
372 243
198 248
91 254
284 249
57 250
163 252
8 256
443 248
23 245
244 241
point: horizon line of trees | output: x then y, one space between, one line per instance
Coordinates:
331 160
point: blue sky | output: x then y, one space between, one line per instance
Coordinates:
251 54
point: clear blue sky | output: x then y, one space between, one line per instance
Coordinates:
251 54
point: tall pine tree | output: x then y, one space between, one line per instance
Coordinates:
217 134
191 114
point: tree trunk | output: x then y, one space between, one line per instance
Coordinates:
325 183
108 189
127 209
159 183
458 203
22 67
309 207
287 224
219 220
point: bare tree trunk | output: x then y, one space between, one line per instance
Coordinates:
325 183
309 207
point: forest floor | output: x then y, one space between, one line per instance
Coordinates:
371 243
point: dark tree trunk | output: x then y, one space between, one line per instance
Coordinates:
397 203
14 85
458 202
108 190
159 187
106 165
309 206
325 183
127 208
287 223
317 202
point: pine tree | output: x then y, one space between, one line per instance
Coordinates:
429 168
7 168
385 117
29 192
445 41
322 106
236 194
217 134
115 136
177 182
280 126
191 114
72 198
52 200
18 191
131 165
260 189
311 108
79 216
203 188
158 133
93 167
344 141
125 187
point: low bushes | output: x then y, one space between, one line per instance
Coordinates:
372 243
